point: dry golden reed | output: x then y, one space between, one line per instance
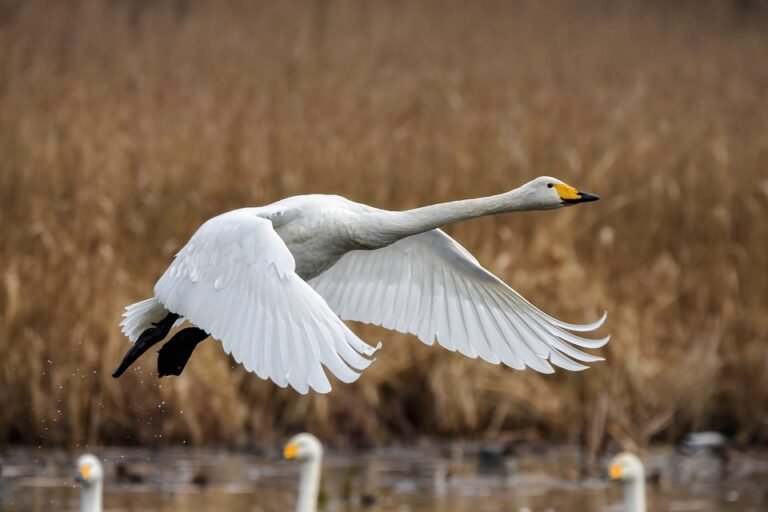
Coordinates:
125 124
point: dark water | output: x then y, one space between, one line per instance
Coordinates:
460 477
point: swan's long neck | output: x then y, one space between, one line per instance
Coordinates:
90 497
309 485
385 227
634 495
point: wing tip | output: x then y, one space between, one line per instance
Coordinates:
368 350
541 366
591 326
602 319
600 343
323 390
581 327
375 349
348 378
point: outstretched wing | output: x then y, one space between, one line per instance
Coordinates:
235 279
430 286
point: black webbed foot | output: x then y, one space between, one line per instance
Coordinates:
146 340
173 356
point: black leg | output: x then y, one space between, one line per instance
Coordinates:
173 357
145 341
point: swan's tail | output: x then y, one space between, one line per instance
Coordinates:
141 316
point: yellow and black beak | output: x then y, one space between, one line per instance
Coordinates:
290 451
569 195
83 474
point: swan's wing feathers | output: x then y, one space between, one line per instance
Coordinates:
235 279
431 286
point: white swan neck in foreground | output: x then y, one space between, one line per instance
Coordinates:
382 227
307 449
90 476
628 468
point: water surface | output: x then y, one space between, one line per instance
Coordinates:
456 477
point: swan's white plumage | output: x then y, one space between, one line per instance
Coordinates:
235 279
308 450
430 286
90 475
269 282
140 316
628 468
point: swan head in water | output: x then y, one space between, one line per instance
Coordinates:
307 449
89 471
627 468
546 193
90 476
303 447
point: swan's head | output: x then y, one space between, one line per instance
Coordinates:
89 470
546 193
627 468
303 447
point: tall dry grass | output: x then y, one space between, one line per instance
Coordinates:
123 125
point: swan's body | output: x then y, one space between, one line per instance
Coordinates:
271 282
627 468
306 449
90 476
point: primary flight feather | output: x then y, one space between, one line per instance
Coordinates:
272 284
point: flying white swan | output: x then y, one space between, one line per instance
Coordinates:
306 449
627 468
90 477
271 283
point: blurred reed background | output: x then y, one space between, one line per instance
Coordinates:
125 124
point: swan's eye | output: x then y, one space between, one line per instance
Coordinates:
550 185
